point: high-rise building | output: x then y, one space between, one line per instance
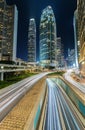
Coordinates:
81 31
32 41
8 31
75 23
60 53
62 56
15 34
47 38
71 58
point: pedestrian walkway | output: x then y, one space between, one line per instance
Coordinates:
24 111
81 79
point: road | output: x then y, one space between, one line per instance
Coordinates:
76 84
59 115
11 95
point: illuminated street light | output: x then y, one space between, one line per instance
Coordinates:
2 67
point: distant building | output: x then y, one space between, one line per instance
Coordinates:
47 38
81 31
78 51
8 31
71 58
62 56
21 62
60 53
32 41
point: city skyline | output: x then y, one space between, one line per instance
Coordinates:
63 11
42 65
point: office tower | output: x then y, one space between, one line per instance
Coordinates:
47 38
75 23
62 56
15 34
77 31
81 31
71 57
60 53
8 31
32 41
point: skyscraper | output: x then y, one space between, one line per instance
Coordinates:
81 31
15 34
8 31
62 56
76 36
71 57
32 41
60 53
47 37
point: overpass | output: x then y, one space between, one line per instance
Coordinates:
11 68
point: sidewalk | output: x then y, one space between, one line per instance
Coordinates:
81 80
24 111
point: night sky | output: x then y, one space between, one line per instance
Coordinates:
63 10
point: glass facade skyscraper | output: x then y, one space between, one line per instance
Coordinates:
32 41
8 35
47 37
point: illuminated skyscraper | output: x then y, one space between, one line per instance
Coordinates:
60 53
47 37
76 37
81 31
32 41
8 31
71 57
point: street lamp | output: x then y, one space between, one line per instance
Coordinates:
2 67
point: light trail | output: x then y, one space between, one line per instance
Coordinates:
13 94
58 104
